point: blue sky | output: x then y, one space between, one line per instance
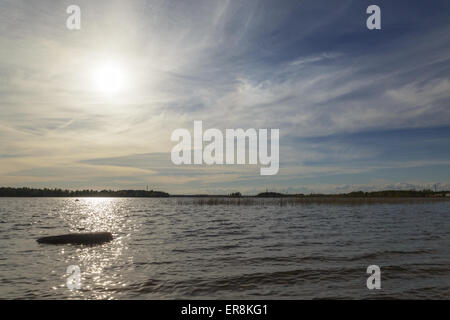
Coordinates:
357 109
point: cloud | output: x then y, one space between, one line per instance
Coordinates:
340 95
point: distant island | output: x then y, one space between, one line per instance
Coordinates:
47 192
362 194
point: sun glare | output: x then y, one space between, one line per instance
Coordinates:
109 78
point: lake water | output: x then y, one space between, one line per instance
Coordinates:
166 250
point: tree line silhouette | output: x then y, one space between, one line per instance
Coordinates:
362 194
30 192
46 192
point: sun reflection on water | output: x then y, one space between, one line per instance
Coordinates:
95 214
100 272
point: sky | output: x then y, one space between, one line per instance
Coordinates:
357 109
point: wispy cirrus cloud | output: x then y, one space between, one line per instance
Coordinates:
352 106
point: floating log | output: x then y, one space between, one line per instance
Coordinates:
89 238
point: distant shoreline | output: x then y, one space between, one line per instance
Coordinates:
60 193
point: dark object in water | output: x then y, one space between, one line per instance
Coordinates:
89 238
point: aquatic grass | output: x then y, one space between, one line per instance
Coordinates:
293 201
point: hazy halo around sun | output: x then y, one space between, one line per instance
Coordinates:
108 77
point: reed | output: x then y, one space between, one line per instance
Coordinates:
293 201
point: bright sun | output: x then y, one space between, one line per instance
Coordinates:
109 78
